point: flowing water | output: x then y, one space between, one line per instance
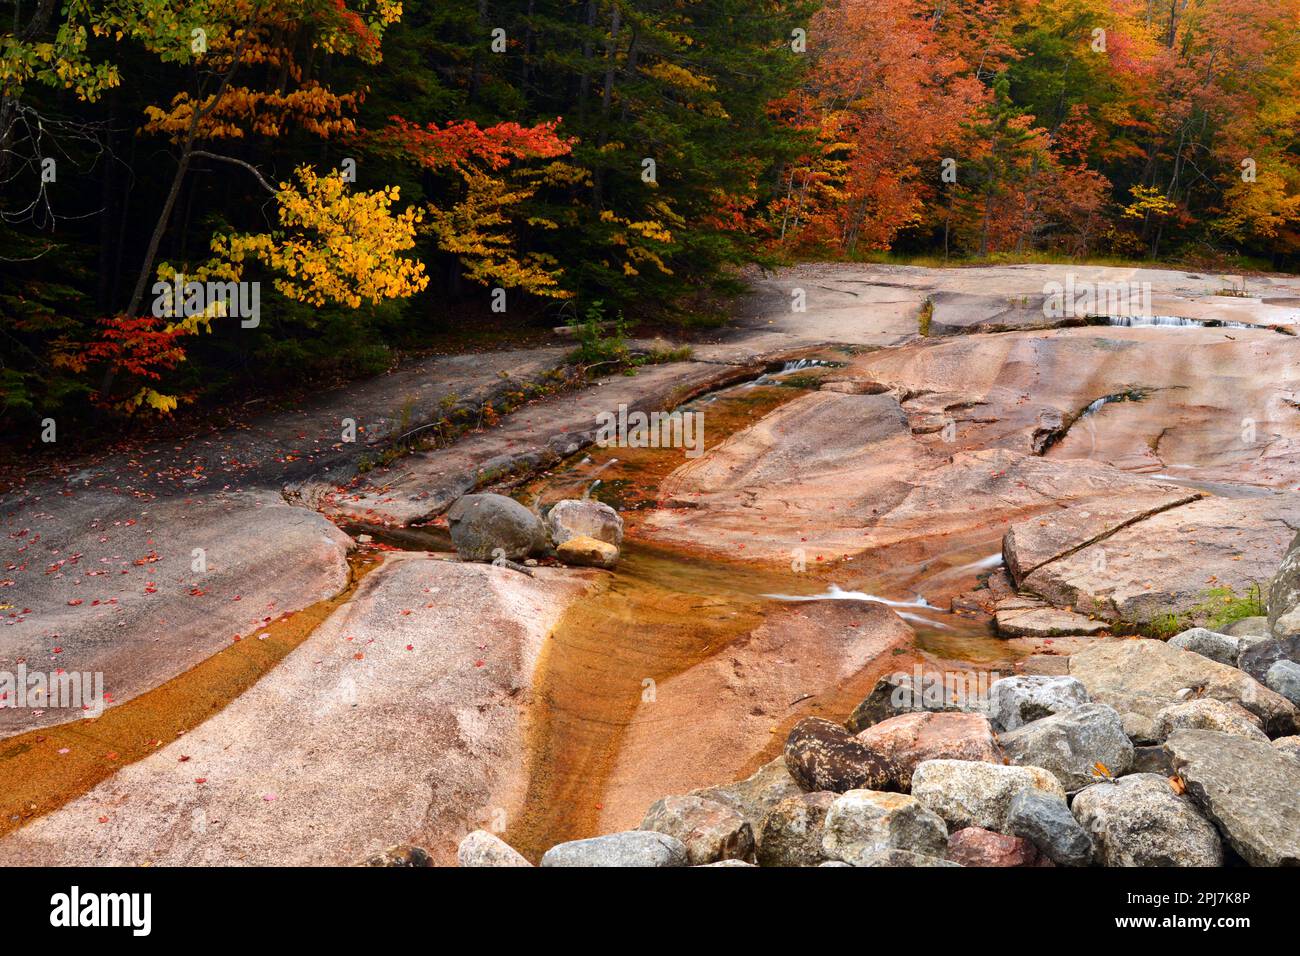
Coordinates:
667 610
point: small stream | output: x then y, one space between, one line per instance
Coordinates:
667 610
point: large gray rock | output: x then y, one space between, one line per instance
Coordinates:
574 518
1223 648
972 794
1256 659
482 848
1046 822
1071 744
755 796
1140 821
485 527
1249 788
901 693
1015 701
631 848
1284 595
822 755
1208 714
709 830
791 834
1284 677
1146 676
863 822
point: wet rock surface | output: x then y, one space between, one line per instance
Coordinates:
90 581
314 764
572 518
794 651
587 552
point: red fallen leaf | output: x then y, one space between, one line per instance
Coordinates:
478 663
358 655
103 819
184 758
200 779
410 647
57 650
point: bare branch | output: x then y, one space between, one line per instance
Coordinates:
238 162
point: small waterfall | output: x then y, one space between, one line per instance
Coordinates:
1172 322
835 593
797 365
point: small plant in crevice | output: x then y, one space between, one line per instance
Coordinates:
1219 607
926 316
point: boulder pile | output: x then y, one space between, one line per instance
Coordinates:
1147 753
491 527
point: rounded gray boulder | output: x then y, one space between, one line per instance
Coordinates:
487 527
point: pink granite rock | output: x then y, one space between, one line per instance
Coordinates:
912 738
975 846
